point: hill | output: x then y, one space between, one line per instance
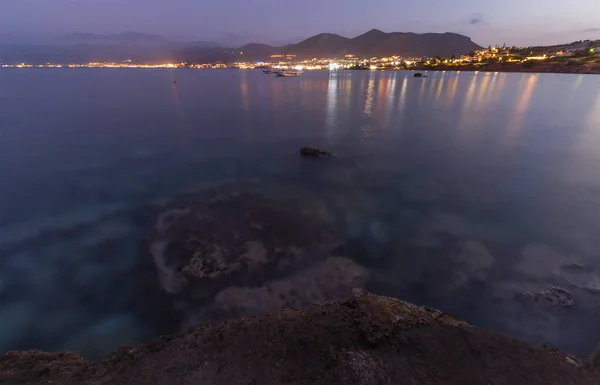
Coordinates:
322 45
83 47
374 43
581 45
364 340
116 38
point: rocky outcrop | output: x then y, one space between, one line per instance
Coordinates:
35 367
364 340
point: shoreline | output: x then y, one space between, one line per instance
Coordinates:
531 67
366 339
567 67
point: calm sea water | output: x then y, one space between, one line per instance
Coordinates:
462 189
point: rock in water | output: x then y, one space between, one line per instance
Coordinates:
314 152
557 298
330 280
205 243
561 316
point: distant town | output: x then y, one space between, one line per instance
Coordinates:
578 57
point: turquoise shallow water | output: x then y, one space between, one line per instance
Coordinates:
426 173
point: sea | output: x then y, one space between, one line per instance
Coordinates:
477 193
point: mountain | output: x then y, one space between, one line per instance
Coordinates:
371 43
379 43
364 42
90 47
85 53
116 38
140 47
257 49
238 39
418 45
580 45
203 43
324 44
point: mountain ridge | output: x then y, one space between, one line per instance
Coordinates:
127 37
377 43
148 48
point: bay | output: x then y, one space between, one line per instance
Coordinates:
465 190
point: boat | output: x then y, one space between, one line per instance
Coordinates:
288 73
267 71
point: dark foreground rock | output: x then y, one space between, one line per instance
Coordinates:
364 340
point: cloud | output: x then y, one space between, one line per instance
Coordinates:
476 19
591 30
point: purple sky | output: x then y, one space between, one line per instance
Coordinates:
518 22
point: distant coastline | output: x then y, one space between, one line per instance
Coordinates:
556 68
535 67
373 50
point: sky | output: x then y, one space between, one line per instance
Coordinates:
514 22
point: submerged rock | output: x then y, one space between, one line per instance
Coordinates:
471 263
561 316
205 243
208 242
333 279
556 298
364 340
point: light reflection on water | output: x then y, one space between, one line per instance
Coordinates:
332 99
370 95
593 120
428 176
402 99
522 105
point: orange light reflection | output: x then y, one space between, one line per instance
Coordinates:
516 121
